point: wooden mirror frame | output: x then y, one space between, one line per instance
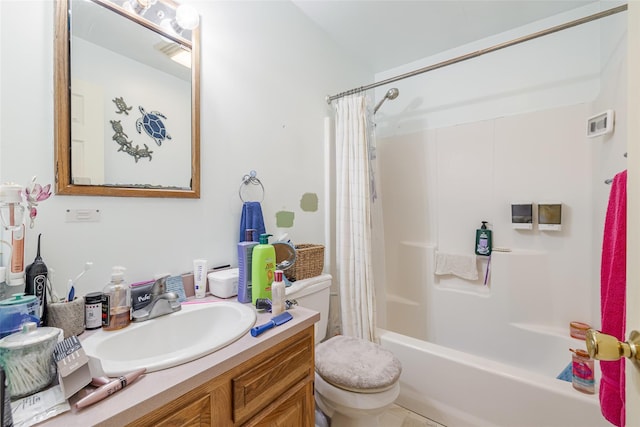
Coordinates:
62 116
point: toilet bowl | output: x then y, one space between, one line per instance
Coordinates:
355 380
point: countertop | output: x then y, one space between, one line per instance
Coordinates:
155 389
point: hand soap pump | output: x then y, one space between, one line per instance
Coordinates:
483 240
263 267
116 302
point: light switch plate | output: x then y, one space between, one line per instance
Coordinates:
82 215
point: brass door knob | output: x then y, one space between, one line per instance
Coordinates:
606 347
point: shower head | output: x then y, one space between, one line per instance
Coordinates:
391 94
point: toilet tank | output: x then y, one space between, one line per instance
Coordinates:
313 293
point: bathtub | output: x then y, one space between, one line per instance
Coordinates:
486 355
459 389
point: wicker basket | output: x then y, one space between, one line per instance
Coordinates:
309 262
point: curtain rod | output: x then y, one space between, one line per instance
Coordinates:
480 52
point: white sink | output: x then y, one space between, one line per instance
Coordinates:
172 339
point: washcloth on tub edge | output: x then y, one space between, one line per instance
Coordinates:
463 266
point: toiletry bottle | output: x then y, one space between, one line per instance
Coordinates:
582 369
245 252
200 277
116 302
483 240
263 265
93 310
278 294
36 277
16 276
4 287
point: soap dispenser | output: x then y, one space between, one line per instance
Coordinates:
263 267
116 302
483 240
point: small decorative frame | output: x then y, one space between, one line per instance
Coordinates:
550 216
522 215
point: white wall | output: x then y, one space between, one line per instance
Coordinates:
265 72
460 143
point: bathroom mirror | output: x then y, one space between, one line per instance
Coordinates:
127 110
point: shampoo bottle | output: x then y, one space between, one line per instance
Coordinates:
245 252
116 302
263 266
483 240
278 294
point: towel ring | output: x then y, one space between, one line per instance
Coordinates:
250 179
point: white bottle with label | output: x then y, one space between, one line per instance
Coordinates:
278 294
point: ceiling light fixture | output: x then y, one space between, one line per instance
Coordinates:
176 20
138 6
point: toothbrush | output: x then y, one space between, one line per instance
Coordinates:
71 290
486 273
87 267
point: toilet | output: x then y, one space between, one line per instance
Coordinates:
355 380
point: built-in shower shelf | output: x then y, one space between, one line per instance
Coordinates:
543 329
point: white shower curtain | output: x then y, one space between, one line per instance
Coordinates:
354 194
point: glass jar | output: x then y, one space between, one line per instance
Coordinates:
93 310
583 374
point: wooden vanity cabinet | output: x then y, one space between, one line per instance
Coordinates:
274 388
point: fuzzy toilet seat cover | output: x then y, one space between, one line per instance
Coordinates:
357 365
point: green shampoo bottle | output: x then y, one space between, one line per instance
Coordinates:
483 240
263 267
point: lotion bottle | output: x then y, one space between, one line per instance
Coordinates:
278 294
263 266
116 302
200 277
245 252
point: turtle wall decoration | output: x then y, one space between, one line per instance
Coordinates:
127 146
153 125
121 106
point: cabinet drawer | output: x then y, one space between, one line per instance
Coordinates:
183 412
256 388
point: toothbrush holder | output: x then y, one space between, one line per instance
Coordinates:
68 316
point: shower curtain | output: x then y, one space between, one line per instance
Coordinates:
355 191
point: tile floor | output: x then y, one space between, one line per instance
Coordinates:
397 416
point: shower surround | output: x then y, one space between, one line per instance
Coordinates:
513 332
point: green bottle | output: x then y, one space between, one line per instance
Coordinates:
263 267
483 240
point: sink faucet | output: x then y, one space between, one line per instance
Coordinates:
162 302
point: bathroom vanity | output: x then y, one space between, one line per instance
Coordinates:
261 381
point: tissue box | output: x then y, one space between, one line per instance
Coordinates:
223 283
73 366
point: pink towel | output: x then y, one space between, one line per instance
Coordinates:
613 277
